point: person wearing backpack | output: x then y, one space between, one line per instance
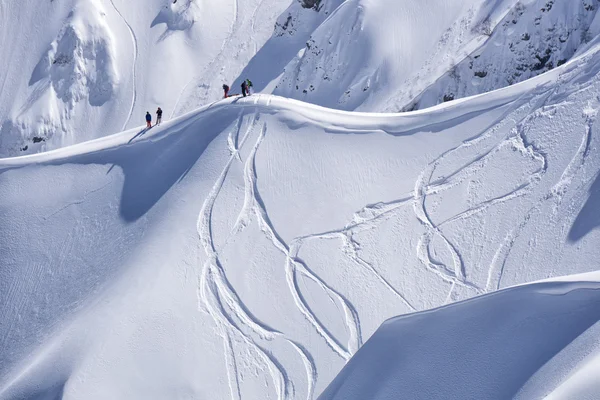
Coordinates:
148 120
158 116
244 88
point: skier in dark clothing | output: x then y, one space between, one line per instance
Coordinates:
244 88
148 120
158 116
226 91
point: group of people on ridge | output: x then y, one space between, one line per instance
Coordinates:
149 118
246 91
246 86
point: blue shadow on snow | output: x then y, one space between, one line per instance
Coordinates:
588 218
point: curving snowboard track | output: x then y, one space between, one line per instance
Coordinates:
133 64
221 301
239 327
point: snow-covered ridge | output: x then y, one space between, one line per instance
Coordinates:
95 67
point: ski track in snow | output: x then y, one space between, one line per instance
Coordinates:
133 64
556 193
236 323
18 293
224 305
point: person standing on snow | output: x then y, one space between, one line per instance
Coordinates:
148 120
249 86
158 116
244 88
226 91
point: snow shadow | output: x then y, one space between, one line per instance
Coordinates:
55 393
39 392
152 166
269 61
588 218
155 166
137 135
484 348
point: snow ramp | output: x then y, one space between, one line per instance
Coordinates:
249 248
513 344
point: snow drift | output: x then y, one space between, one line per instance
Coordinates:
247 249
527 342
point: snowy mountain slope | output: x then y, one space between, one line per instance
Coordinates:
292 30
369 53
247 249
528 342
533 38
391 56
93 67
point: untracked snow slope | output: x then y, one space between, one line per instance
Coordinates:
538 341
247 249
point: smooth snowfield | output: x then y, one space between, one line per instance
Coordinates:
515 343
248 249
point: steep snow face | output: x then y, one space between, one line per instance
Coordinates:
77 71
397 56
292 29
80 63
249 248
533 38
95 67
515 344
368 53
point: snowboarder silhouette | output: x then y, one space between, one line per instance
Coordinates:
226 91
244 88
148 120
158 116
